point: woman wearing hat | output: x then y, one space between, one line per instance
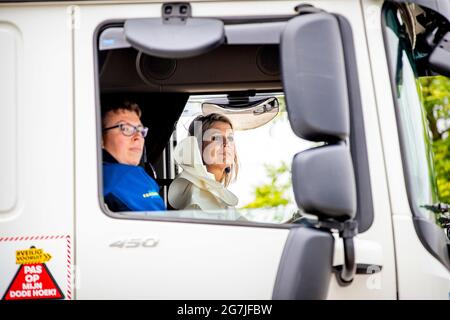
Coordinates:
209 162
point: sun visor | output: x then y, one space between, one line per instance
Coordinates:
254 115
189 38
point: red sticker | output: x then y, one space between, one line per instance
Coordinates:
33 281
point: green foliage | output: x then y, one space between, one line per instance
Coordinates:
436 99
441 150
272 194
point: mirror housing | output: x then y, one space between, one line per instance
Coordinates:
314 77
314 74
324 182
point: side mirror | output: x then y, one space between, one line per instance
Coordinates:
324 183
316 89
314 77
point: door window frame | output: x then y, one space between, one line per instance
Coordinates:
358 146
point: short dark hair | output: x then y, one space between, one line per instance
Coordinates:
123 105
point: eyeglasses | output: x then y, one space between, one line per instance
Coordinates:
129 130
219 139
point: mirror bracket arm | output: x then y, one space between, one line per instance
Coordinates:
347 231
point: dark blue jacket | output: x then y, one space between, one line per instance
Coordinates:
129 188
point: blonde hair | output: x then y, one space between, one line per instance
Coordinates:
207 122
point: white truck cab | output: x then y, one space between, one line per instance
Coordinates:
340 125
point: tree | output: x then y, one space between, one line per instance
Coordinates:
273 194
436 100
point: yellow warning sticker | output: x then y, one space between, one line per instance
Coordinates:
32 256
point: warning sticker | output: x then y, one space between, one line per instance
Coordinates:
33 281
32 256
36 267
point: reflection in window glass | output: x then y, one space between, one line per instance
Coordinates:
417 138
424 113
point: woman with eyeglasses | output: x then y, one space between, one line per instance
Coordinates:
209 161
126 185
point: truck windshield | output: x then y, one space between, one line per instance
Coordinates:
423 102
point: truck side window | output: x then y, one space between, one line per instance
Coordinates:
423 102
233 81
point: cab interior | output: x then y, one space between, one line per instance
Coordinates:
162 87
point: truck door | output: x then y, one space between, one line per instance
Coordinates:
158 258
176 255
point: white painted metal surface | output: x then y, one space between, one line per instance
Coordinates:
9 41
39 113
